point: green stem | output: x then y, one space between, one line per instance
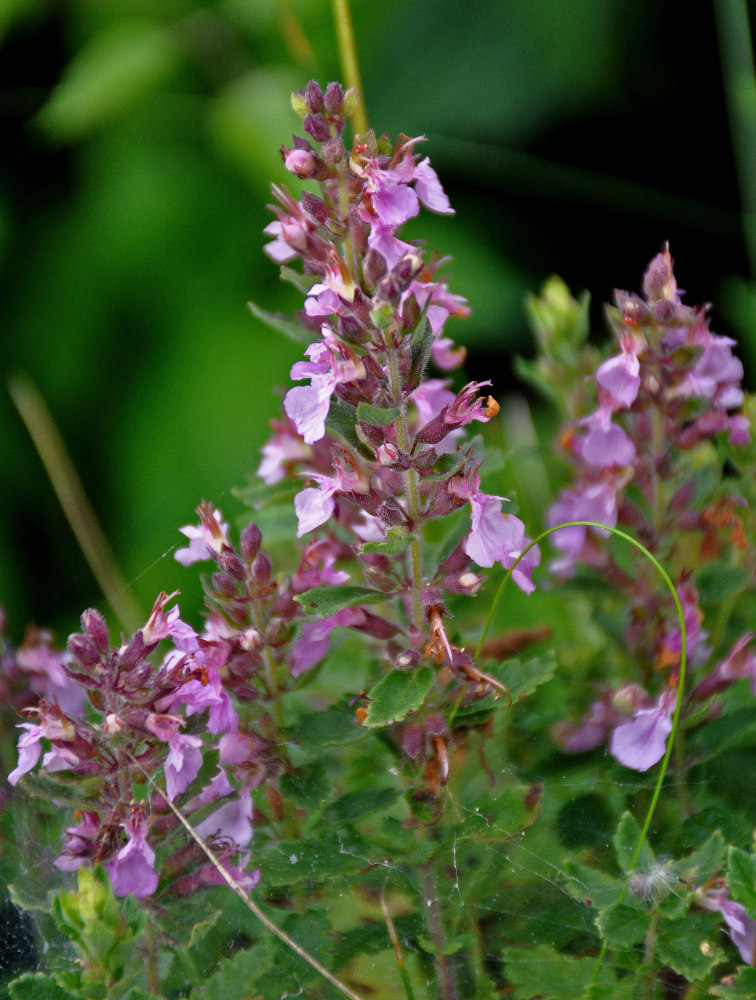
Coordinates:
447 989
348 56
680 689
411 480
649 950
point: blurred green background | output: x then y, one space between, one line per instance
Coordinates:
140 139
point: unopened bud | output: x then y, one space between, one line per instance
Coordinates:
82 650
230 563
96 630
251 540
334 99
299 103
351 100
317 127
333 150
314 96
301 162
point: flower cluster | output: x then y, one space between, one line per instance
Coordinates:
645 459
137 709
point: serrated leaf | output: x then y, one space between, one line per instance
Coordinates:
396 695
35 986
523 677
326 601
503 815
689 947
593 885
381 416
450 947
624 924
625 843
284 324
544 973
334 726
741 878
743 987
314 859
234 976
705 861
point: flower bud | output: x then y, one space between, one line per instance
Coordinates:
413 740
301 162
313 94
223 584
251 540
96 630
408 659
262 568
351 100
230 563
299 102
82 650
317 127
334 99
333 150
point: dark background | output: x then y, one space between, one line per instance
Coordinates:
140 139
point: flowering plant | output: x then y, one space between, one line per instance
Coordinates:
341 748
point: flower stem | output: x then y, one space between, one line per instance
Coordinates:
348 56
447 988
411 483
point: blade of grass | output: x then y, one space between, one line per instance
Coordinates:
70 493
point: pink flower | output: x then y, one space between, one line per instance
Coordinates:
230 822
641 742
313 644
307 405
205 541
606 444
741 926
495 536
29 749
429 189
133 869
619 377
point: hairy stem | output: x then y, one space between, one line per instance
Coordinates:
447 987
411 481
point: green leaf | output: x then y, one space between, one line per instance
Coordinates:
450 947
422 345
522 678
113 71
315 859
705 861
35 986
743 988
741 878
590 884
342 421
689 946
392 546
334 726
307 785
625 843
544 973
502 815
399 693
281 323
326 601
381 416
354 805
234 977
624 924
